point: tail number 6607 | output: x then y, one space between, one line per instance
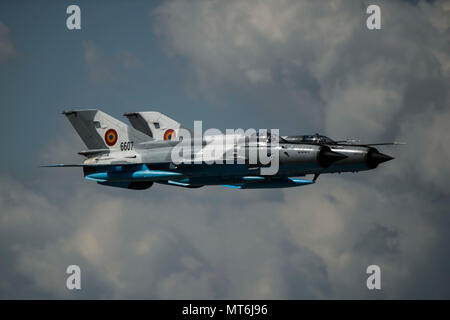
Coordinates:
126 146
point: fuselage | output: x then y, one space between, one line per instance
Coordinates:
153 162
159 149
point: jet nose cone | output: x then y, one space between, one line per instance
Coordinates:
375 158
380 157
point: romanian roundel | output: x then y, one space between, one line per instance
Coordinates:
169 134
111 137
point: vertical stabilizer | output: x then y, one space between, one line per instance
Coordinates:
99 130
154 124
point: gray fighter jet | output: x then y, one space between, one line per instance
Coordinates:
158 149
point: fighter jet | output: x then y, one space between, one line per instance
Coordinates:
137 156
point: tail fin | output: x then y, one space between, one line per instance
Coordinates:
154 124
99 130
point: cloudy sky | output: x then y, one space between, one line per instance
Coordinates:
300 66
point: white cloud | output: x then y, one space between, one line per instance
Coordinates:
362 76
149 245
335 220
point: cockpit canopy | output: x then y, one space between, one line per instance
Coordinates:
312 139
309 139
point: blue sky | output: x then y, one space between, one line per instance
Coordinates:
48 74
